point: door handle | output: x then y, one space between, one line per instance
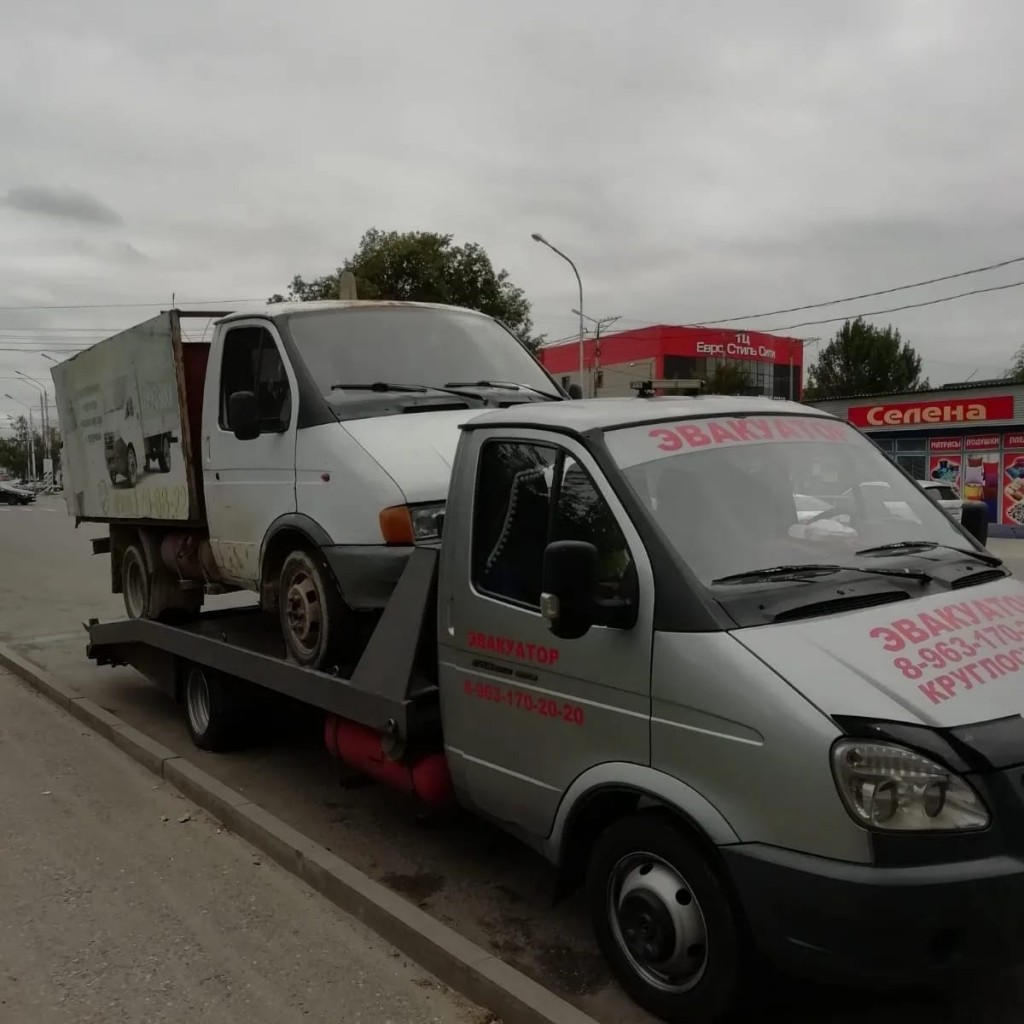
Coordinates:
206 441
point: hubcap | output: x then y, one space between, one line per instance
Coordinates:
657 922
197 701
302 611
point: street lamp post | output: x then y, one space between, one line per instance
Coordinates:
44 410
537 237
29 444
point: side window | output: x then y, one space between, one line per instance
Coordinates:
521 508
252 362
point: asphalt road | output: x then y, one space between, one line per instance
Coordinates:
121 901
472 877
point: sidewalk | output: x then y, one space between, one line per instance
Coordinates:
121 901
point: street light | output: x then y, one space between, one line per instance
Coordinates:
44 410
29 446
52 360
537 237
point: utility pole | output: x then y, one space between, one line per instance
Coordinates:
599 325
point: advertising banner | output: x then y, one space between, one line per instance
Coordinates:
937 412
946 444
121 422
1012 482
982 443
946 468
1015 441
981 480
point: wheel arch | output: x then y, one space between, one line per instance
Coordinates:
285 534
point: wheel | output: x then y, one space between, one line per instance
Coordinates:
131 466
136 582
213 709
313 616
163 458
663 920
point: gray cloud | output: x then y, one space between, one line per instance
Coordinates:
66 204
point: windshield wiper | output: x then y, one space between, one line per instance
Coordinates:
379 386
812 569
501 385
929 545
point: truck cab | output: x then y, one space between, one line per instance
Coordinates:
327 438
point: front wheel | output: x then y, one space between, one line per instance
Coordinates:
663 920
313 616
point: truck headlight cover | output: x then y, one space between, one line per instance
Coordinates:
412 524
890 788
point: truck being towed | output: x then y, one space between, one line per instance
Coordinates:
301 452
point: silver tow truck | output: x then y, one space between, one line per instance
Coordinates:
741 725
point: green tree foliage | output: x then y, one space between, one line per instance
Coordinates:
423 266
728 379
865 360
1015 374
14 450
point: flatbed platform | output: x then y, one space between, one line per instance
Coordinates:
383 691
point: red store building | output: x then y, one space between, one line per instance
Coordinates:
970 435
773 365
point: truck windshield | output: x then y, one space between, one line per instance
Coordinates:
410 346
734 494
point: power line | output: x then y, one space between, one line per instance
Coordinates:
863 295
897 309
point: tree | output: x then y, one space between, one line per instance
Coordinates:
728 379
1015 374
865 360
423 266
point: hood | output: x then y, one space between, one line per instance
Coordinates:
942 661
416 450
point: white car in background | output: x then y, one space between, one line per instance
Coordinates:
945 497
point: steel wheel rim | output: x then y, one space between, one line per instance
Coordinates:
197 702
135 589
657 922
303 611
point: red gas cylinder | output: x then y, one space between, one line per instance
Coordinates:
426 777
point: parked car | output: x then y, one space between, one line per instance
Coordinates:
945 496
12 495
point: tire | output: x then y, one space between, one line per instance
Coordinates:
131 466
664 921
314 619
136 582
163 458
214 710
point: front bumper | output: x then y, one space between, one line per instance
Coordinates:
367 574
846 922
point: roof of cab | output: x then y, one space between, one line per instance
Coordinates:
581 415
277 309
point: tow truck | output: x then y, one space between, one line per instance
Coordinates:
737 728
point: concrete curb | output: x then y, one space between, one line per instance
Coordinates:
462 965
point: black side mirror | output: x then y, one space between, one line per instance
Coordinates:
568 581
974 519
575 391
243 415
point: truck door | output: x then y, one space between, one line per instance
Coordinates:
248 484
525 713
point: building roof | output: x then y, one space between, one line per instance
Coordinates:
971 385
582 415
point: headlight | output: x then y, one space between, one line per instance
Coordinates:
427 521
893 789
412 524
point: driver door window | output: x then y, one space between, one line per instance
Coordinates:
529 496
252 362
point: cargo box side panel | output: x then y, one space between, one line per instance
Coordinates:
112 400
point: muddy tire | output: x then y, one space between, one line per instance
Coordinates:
136 583
313 616
214 710
131 466
664 921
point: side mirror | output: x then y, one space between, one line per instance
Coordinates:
243 415
568 581
575 391
974 519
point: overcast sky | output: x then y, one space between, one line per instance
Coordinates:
698 159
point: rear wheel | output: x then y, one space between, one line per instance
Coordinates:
313 616
163 458
131 466
136 582
213 709
663 920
